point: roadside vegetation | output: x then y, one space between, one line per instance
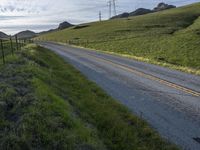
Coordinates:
46 104
169 38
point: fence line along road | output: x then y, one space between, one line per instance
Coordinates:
10 45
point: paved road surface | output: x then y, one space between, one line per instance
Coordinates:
169 100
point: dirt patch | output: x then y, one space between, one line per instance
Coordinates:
154 26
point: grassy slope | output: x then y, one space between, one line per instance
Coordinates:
171 36
47 104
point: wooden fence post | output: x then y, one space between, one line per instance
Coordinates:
2 50
19 44
11 45
16 42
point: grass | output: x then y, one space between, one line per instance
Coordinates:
168 37
46 104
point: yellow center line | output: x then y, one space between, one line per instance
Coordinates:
154 78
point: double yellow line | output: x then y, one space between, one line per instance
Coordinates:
142 74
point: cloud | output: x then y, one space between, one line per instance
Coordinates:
37 15
21 6
3 18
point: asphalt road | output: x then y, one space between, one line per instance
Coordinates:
168 100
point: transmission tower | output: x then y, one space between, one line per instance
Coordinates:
114 8
110 8
100 16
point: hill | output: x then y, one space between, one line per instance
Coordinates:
140 11
26 34
170 37
3 35
137 12
45 32
143 11
62 26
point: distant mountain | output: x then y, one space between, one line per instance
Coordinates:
26 34
64 25
143 11
163 6
123 15
140 11
49 31
3 35
137 12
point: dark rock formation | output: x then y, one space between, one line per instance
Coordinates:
64 25
163 6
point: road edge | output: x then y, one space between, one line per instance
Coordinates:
141 59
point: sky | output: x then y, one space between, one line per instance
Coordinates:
40 15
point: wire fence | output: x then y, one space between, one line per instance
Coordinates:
8 46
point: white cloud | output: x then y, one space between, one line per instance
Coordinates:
18 15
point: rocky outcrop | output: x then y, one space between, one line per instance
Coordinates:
163 6
64 25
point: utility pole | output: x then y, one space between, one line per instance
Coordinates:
109 7
114 8
100 16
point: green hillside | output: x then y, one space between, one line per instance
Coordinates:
171 36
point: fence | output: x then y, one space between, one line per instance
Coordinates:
10 46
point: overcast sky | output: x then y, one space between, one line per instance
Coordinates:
39 15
